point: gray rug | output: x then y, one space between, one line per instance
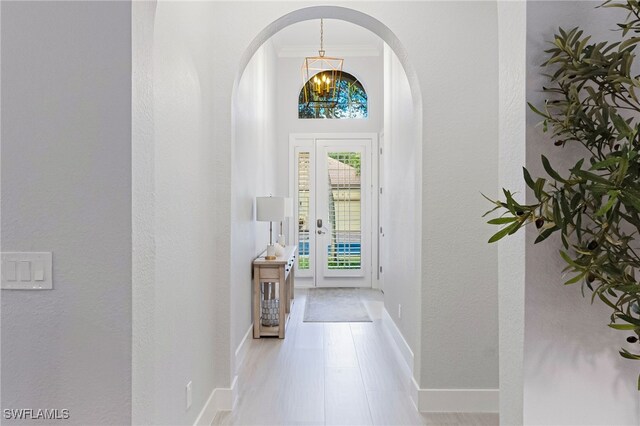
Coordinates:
335 305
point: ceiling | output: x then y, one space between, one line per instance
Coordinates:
340 38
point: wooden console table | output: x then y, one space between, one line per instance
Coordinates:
273 286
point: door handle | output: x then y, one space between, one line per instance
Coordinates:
321 232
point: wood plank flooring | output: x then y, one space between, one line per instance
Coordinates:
334 374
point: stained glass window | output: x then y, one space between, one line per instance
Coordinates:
352 101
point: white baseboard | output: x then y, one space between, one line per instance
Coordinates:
438 400
405 352
224 399
459 400
241 350
221 399
304 286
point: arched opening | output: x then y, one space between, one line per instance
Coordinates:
189 134
270 161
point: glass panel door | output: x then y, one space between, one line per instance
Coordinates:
343 181
343 232
304 221
332 190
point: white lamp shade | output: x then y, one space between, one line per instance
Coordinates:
270 209
288 207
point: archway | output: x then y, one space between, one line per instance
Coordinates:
175 46
411 357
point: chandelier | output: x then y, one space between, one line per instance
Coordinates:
321 77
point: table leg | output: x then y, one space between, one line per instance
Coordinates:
256 302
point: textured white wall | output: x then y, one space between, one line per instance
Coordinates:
66 188
401 161
511 258
190 330
573 374
255 168
143 214
454 48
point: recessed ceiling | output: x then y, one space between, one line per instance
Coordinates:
340 38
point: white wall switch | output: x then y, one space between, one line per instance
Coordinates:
9 271
24 270
27 271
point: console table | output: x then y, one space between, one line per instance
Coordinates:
273 287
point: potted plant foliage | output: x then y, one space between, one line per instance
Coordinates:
592 100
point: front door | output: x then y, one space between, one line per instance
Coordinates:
333 195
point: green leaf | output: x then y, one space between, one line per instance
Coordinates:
545 234
592 177
613 197
537 111
503 232
628 43
539 187
527 178
606 163
624 326
621 125
582 44
550 171
502 220
626 354
629 319
569 260
575 279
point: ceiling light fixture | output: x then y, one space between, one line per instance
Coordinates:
321 77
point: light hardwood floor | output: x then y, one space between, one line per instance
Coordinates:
330 374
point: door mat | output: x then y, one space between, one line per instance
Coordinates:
335 305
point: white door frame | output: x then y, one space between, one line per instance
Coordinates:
308 141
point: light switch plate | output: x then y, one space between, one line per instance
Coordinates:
27 271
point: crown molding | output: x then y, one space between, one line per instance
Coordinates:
339 51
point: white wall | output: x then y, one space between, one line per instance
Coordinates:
573 374
401 162
455 53
184 320
66 188
512 33
255 167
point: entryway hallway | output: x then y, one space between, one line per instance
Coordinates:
330 374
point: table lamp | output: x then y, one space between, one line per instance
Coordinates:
270 209
288 212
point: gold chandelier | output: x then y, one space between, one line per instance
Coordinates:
321 77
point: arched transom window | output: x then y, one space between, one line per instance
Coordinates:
352 101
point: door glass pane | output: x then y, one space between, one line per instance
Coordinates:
303 210
344 210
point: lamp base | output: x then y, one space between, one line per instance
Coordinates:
271 252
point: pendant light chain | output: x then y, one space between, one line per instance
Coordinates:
321 51
321 77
